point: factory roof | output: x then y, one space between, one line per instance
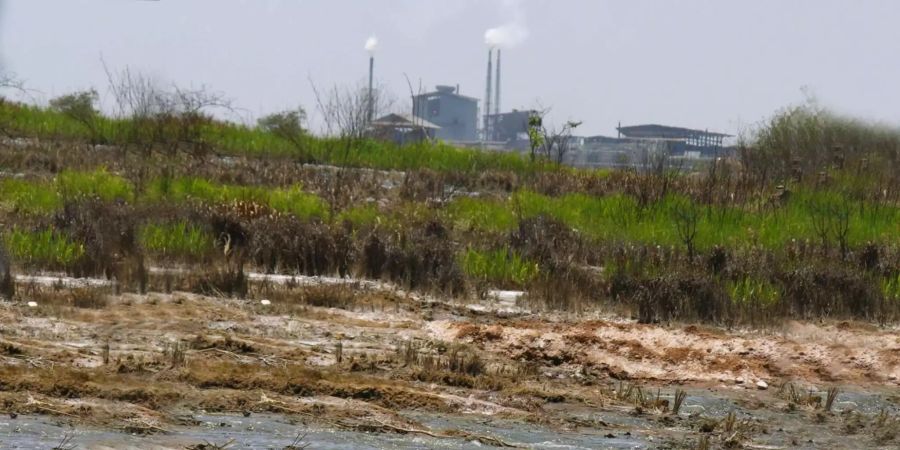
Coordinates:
394 120
653 131
446 90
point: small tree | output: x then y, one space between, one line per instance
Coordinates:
171 118
686 215
7 82
345 112
551 143
80 107
535 134
288 124
556 142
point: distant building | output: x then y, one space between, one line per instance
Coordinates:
456 115
682 141
509 127
402 129
634 143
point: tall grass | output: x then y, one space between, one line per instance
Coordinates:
890 287
502 267
291 200
175 240
43 197
45 248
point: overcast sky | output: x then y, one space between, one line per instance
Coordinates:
716 64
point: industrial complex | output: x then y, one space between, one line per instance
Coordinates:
445 114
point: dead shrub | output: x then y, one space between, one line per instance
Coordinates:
281 243
222 282
835 292
420 256
108 232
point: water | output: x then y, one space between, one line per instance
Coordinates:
621 429
263 431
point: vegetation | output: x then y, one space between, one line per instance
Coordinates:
44 248
803 223
176 240
502 267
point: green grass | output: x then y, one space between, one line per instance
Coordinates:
749 290
29 197
503 268
362 215
43 248
890 287
291 200
482 214
44 197
617 217
301 204
175 240
236 139
98 183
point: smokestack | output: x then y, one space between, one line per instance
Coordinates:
371 99
371 45
497 86
487 97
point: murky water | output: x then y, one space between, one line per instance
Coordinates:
261 431
622 430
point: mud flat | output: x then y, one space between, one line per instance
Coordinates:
385 370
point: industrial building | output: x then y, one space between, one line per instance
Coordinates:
402 129
508 127
455 114
631 147
681 141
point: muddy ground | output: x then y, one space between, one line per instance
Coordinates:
365 366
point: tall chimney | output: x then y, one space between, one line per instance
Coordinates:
371 100
497 86
487 98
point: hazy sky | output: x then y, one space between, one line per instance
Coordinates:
716 64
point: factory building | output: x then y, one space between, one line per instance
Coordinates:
508 127
455 114
631 147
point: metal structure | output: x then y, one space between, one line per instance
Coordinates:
691 138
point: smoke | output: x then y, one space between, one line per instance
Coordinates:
511 33
371 44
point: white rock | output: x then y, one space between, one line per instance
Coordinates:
32 304
265 302
762 385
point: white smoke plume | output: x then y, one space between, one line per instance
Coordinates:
509 34
371 44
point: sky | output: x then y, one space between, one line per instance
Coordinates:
722 65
